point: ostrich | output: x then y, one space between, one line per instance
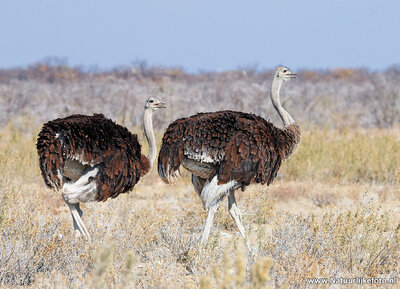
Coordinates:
227 150
91 158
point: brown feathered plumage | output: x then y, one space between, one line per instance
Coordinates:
243 147
92 140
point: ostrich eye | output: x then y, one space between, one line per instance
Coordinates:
151 101
285 71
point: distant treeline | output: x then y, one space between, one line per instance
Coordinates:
336 98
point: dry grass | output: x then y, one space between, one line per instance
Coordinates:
333 212
347 156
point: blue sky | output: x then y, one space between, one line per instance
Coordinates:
202 35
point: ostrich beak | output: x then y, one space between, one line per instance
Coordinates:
293 75
162 104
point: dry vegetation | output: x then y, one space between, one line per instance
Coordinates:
337 99
334 210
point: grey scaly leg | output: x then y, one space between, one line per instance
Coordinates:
209 222
237 217
76 213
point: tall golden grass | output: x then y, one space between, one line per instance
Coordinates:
332 212
347 156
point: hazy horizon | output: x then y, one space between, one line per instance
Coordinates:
93 68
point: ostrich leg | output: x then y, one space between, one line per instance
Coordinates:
198 184
83 190
237 217
76 207
210 218
236 214
211 195
76 213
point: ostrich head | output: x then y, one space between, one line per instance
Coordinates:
154 104
284 73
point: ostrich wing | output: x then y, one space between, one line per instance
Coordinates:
252 154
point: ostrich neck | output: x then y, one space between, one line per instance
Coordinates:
285 116
148 131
